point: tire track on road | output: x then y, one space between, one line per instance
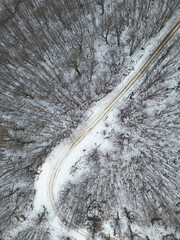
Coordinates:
112 103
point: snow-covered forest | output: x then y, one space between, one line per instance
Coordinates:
57 59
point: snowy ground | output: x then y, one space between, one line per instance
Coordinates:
94 138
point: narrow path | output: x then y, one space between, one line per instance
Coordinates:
110 105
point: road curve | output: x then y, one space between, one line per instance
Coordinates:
110 105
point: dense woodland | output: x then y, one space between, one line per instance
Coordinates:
57 58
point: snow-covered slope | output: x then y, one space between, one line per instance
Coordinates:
58 58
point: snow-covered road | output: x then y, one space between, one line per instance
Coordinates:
107 105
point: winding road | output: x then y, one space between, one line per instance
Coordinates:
131 82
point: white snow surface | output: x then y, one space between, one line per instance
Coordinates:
94 138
